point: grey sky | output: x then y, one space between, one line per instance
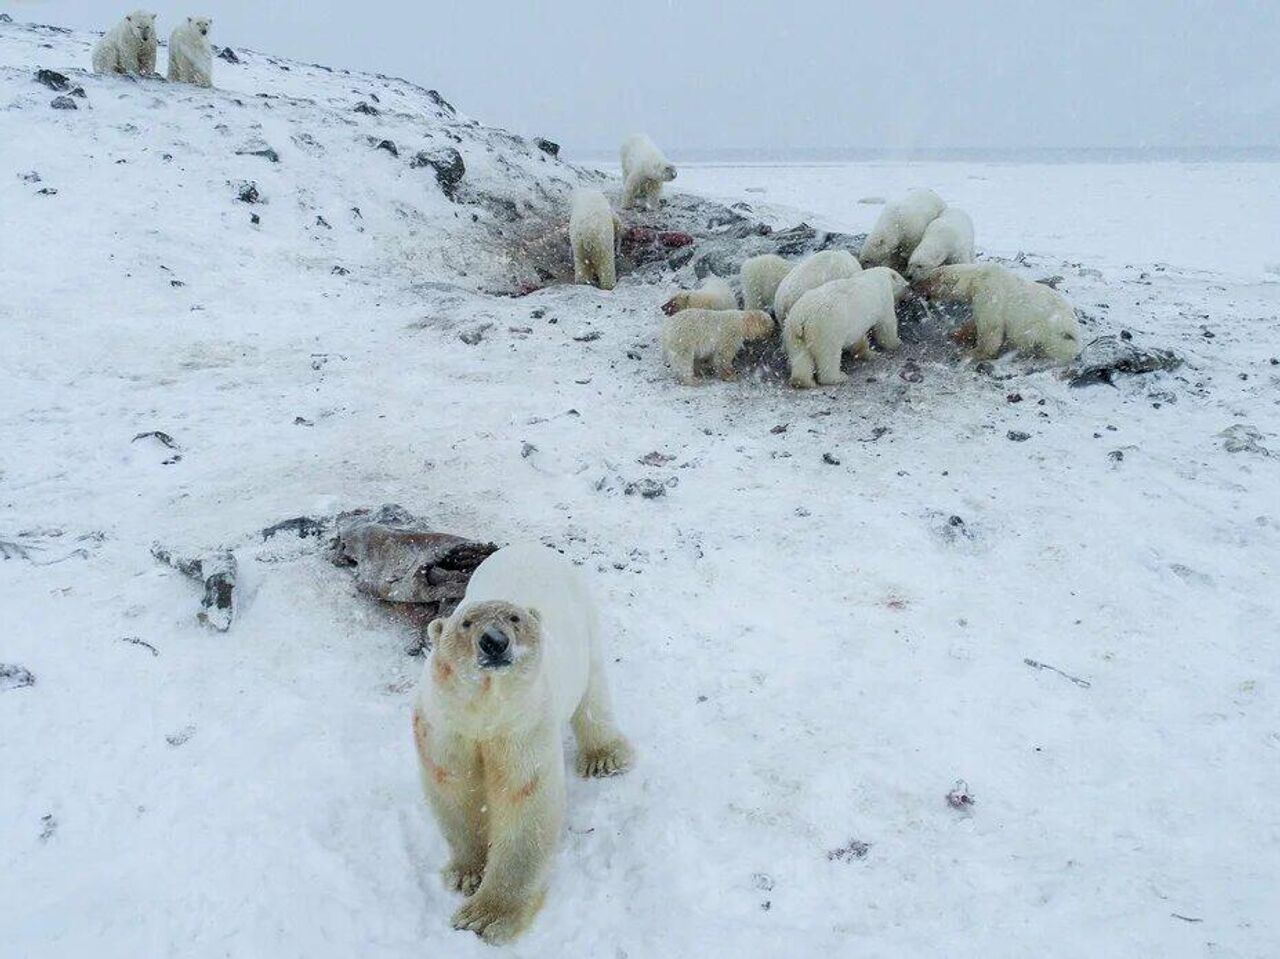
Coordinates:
781 74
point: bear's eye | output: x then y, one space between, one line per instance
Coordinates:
514 618
466 624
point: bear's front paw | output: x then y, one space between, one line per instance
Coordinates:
801 383
610 759
462 877
493 920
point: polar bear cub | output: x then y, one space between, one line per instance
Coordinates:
760 276
128 47
714 294
517 659
810 274
948 240
190 56
839 315
717 335
644 170
594 232
900 228
1008 311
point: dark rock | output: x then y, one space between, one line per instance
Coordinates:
1107 356
52 79
646 488
226 53
34 177
830 459
589 337
47 191
255 219
1013 398
340 271
165 440
473 336
547 146
1243 438
321 221
448 166
853 849
64 103
389 146
5 18
216 572
79 92
15 677
249 194
1018 436
367 108
181 737
304 526
266 152
441 102
960 797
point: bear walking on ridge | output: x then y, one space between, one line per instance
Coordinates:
190 56
128 47
644 170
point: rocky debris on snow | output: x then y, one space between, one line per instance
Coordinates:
181 737
303 526
216 572
444 105
248 193
259 149
53 80
650 488
388 145
15 677
852 850
1082 683
1106 356
473 336
165 440
398 558
5 18
229 55
960 796
1018 436
63 102
138 641
447 164
48 827
29 177
547 146
368 109
1243 438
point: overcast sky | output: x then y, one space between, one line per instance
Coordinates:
778 74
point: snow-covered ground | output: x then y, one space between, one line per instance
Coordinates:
809 653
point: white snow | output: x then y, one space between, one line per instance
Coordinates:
807 654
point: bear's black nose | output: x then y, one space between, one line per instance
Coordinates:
494 645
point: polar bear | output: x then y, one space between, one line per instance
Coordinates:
128 47
810 274
900 228
836 316
190 56
594 232
714 294
718 335
644 170
760 276
1008 311
519 657
948 240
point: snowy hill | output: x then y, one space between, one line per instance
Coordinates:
842 602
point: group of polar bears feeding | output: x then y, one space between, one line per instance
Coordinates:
131 45
831 301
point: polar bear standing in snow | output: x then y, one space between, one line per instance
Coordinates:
519 658
717 335
644 170
900 228
836 316
760 278
128 47
948 240
714 294
1008 311
594 233
810 274
190 56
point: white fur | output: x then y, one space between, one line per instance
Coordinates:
836 316
714 294
810 274
594 233
644 170
900 228
948 240
1009 312
128 47
190 56
761 276
489 738
717 335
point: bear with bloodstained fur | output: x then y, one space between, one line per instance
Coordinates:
520 657
594 234
761 276
190 56
1009 312
128 47
644 170
948 240
714 294
810 274
716 335
900 228
837 316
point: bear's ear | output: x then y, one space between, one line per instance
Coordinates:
435 629
129 17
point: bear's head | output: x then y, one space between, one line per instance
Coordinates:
142 24
487 647
756 324
876 250
677 303
668 172
200 24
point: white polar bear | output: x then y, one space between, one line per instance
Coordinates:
760 278
517 659
128 47
810 274
836 316
594 232
190 56
717 335
948 240
644 170
900 228
1008 311
714 294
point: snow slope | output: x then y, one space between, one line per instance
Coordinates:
809 654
